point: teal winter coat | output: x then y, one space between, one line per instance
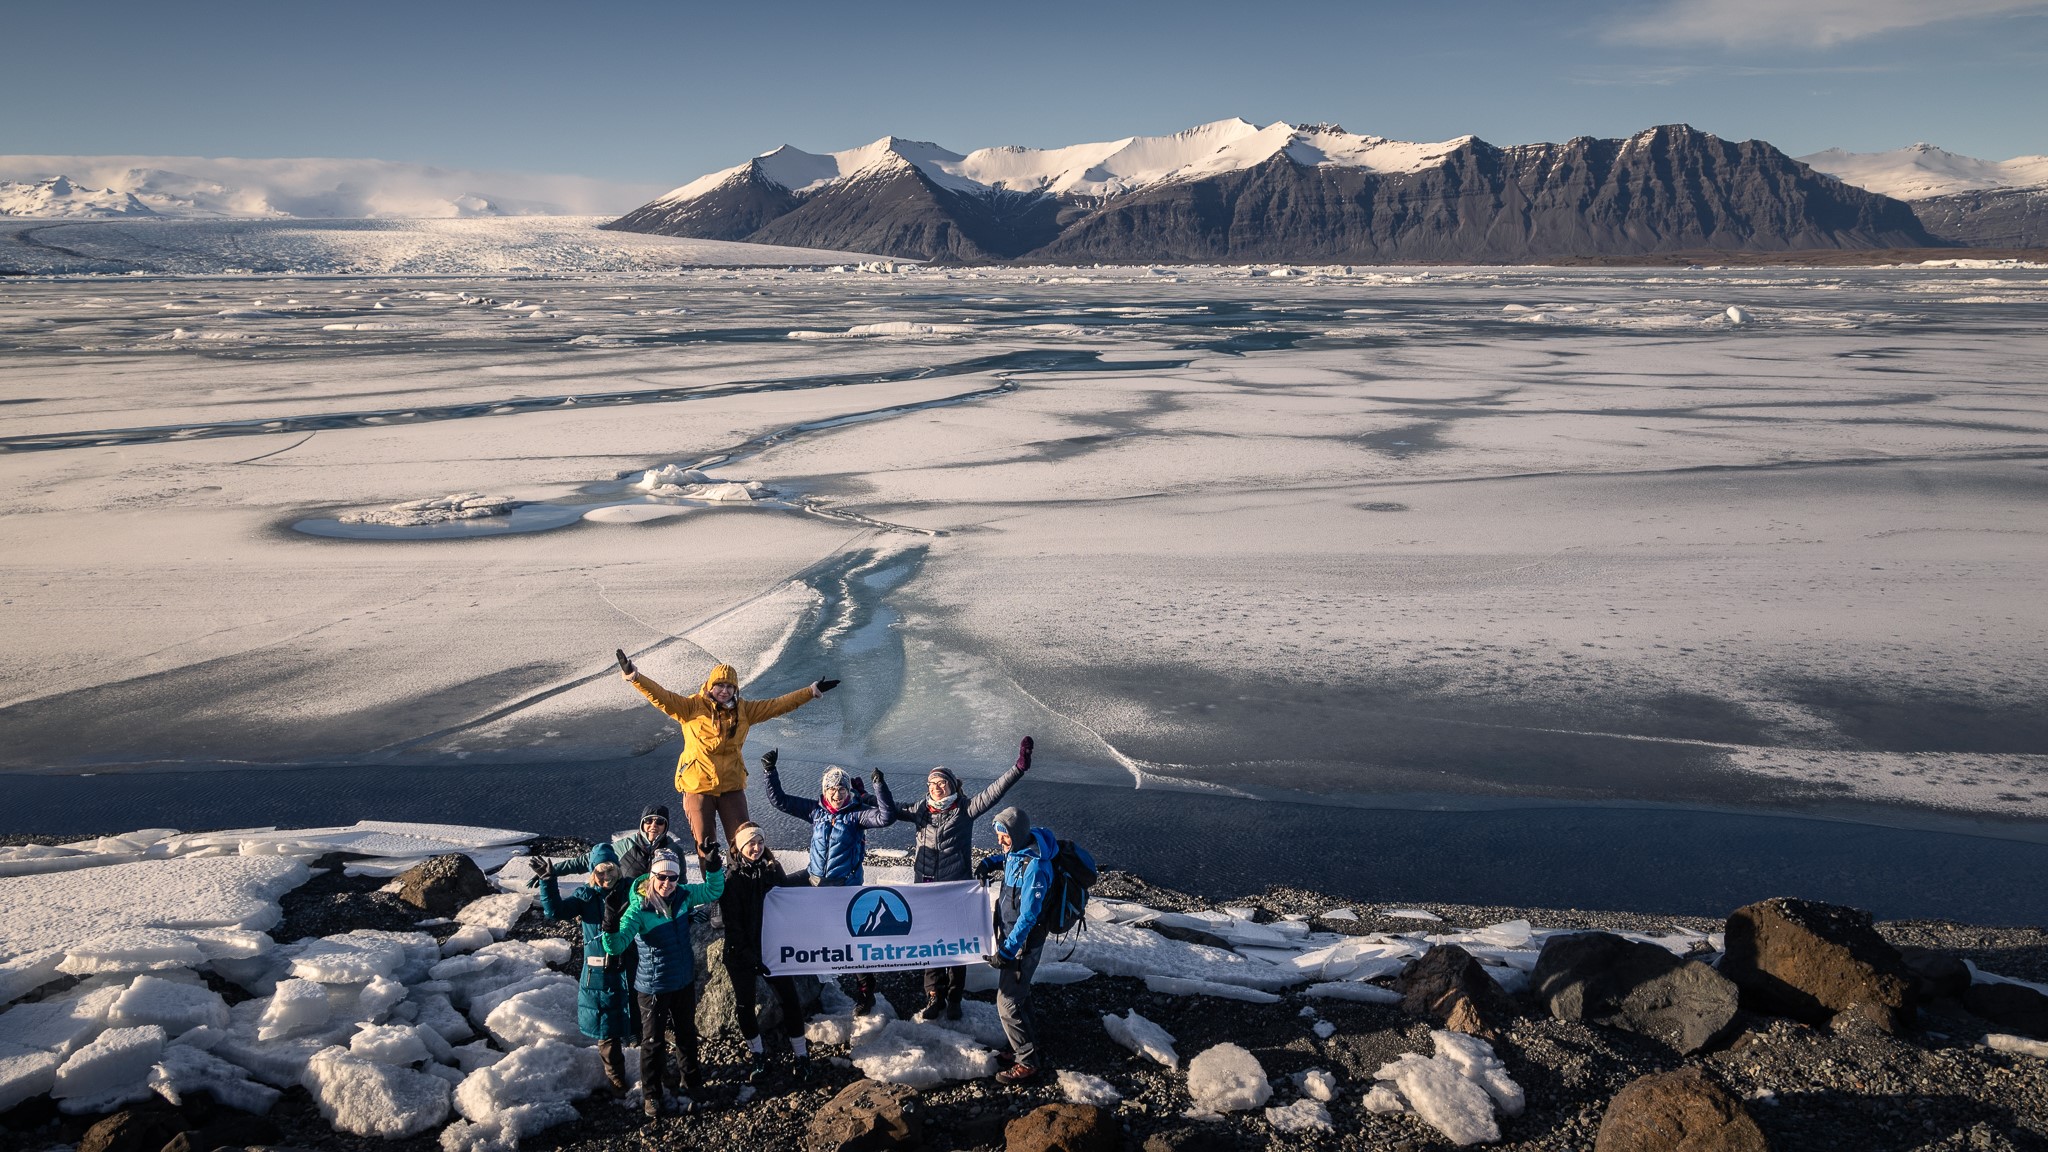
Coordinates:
605 1009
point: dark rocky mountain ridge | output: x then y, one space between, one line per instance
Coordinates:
1668 189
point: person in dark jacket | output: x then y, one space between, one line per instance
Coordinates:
656 922
753 873
605 1011
839 820
634 851
1026 862
945 832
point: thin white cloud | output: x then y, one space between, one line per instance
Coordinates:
1798 23
1639 75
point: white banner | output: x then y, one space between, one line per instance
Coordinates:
876 929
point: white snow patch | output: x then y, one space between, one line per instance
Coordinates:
1182 986
917 1055
1227 1078
186 1071
497 912
1300 1116
1455 1091
365 1098
114 1066
1081 1088
173 1005
2006 1042
1143 1037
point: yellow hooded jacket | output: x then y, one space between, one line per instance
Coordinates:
714 737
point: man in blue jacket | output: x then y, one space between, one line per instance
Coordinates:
1026 862
839 818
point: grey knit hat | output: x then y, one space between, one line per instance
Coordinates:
1014 822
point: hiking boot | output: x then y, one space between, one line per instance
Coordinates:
757 1067
650 1104
931 1010
863 1003
1017 1074
693 1081
953 1007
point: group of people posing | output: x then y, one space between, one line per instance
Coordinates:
639 971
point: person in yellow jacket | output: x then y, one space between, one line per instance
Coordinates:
711 773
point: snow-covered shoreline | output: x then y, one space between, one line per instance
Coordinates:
456 1031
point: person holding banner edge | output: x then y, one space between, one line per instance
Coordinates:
753 874
945 833
1026 863
711 772
839 820
656 921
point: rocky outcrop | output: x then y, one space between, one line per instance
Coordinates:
1993 218
867 1116
443 884
1679 1111
1600 978
1668 189
133 1130
1809 961
1064 1128
1449 986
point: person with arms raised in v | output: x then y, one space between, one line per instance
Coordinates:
840 818
711 773
945 833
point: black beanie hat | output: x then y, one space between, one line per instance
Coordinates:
660 810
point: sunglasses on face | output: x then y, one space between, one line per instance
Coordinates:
666 877
656 821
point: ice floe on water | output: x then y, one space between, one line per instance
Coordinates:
432 510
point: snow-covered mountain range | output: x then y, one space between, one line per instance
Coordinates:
1961 199
1919 171
1235 190
189 186
1110 168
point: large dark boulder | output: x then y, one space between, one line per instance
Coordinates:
2013 1007
1600 978
444 884
133 1130
1447 985
1808 960
1679 1111
1064 1128
867 1116
1937 975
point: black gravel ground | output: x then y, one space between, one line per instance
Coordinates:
1808 1089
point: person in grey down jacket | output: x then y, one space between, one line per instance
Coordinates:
839 818
605 1011
945 832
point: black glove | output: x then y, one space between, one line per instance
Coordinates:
709 857
986 867
998 961
827 685
1024 754
615 902
876 778
768 759
625 665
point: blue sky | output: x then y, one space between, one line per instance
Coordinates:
659 93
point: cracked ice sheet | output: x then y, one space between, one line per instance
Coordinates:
44 914
1480 594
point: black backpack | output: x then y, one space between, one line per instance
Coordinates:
1066 898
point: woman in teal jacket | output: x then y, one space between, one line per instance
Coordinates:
656 922
604 1004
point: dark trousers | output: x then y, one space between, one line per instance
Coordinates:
614 1056
1013 1005
948 984
743 968
660 1012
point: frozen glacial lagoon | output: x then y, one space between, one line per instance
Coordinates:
1344 539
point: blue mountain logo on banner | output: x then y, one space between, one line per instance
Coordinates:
878 912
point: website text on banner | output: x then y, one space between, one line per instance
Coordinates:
820 931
